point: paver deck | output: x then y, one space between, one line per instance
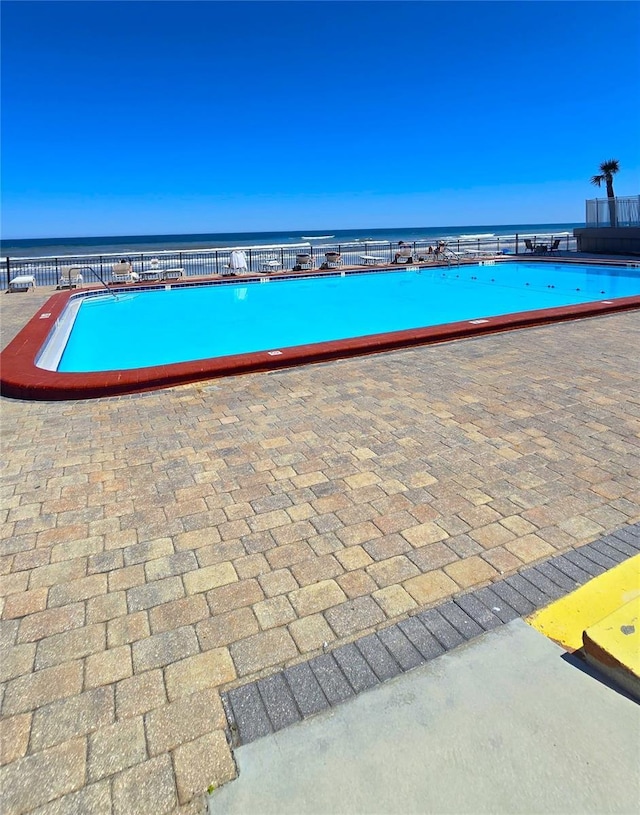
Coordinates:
161 549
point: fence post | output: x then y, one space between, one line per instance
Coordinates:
517 238
8 272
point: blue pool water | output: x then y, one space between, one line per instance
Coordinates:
158 327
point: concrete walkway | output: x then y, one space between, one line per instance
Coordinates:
505 724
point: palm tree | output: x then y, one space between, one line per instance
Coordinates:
607 170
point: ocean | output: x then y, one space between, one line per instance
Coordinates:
135 244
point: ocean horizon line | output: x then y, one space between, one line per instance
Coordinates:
333 230
136 244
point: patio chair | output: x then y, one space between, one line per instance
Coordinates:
555 245
404 254
528 245
304 261
332 259
271 264
154 272
70 276
440 250
123 272
425 255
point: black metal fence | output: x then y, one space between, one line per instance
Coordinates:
619 212
48 271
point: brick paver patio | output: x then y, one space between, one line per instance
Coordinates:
162 548
258 708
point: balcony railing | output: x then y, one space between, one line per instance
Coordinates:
603 212
47 271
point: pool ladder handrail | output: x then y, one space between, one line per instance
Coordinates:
101 279
450 255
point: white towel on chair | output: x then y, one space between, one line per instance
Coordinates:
238 261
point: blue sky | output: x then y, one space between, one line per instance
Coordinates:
122 118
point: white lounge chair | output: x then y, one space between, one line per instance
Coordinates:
372 260
123 273
70 276
22 282
172 274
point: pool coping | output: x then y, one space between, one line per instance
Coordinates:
21 378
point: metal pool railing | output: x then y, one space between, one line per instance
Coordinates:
47 271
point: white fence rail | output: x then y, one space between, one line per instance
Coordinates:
618 212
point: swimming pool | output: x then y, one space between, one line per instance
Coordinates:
149 337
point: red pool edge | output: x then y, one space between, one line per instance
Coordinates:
20 378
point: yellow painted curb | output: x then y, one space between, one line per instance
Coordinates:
615 641
565 620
